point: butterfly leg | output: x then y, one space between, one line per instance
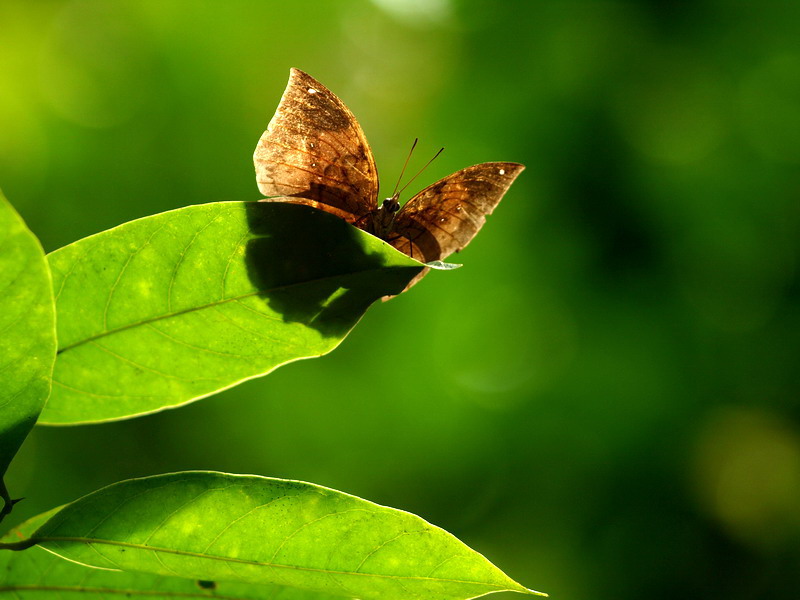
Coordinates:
363 223
391 240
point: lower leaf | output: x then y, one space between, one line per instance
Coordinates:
247 529
36 574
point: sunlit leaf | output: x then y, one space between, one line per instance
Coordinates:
247 529
27 333
36 574
170 308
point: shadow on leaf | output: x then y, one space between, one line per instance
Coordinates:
314 268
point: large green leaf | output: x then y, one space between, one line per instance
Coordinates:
247 529
27 335
170 308
36 574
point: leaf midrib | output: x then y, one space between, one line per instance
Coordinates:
82 540
127 592
213 304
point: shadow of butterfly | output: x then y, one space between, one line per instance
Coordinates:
315 153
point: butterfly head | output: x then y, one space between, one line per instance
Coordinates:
383 217
391 205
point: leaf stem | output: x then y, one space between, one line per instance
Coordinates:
16 546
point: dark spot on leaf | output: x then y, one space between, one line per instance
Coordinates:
206 585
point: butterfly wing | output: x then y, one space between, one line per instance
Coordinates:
445 216
315 151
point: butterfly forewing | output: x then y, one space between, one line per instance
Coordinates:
445 216
315 151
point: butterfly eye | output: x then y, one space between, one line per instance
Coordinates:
391 205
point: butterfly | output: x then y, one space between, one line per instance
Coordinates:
315 153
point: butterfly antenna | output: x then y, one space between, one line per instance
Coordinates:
421 170
405 164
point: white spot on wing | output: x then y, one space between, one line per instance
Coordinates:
312 91
502 171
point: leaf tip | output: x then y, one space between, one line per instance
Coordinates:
443 266
529 592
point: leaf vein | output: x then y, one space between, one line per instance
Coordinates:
78 260
188 345
146 368
127 592
122 272
251 331
96 395
181 258
236 520
309 523
17 275
257 563
157 556
379 546
130 499
439 566
229 262
181 507
203 307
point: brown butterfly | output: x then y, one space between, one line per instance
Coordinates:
315 152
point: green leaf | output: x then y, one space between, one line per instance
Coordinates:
173 307
247 529
36 574
27 335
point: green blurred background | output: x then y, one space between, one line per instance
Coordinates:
604 399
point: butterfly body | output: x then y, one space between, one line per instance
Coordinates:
382 218
315 153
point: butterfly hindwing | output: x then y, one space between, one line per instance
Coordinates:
445 216
315 151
